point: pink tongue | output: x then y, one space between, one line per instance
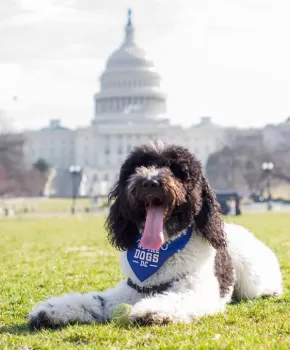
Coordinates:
153 232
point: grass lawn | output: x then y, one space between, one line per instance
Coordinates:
44 257
46 205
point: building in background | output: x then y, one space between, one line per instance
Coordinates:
129 109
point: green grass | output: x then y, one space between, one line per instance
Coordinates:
46 205
45 257
52 205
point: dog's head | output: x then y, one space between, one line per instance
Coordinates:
161 188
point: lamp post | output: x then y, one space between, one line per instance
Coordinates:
267 168
74 171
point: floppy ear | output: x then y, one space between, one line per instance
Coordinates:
208 221
122 232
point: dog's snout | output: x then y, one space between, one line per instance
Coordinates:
150 183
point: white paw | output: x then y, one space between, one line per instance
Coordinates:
58 312
150 312
148 318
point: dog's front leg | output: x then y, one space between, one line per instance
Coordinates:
175 307
81 308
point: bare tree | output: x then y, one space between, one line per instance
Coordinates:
34 182
7 185
16 177
239 165
282 162
12 164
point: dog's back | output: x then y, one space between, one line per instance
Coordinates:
256 267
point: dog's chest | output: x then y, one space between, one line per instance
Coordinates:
184 261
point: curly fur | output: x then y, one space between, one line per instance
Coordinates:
185 187
219 262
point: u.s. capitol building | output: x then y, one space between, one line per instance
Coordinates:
130 109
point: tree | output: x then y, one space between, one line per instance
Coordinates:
281 155
16 177
12 164
34 182
41 165
239 165
39 173
8 185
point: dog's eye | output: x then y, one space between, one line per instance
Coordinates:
178 172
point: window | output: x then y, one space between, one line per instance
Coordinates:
106 177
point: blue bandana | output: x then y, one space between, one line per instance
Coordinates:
145 262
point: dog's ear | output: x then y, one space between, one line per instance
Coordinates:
208 220
122 232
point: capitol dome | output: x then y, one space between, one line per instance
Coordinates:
129 54
130 85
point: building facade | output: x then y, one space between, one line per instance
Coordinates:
129 109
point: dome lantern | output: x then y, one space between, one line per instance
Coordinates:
129 30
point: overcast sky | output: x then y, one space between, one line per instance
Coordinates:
228 59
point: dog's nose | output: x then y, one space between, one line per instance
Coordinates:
150 183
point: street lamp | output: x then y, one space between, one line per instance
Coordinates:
267 168
74 171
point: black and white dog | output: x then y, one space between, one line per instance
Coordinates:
179 258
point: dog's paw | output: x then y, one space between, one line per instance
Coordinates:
69 309
152 318
40 320
153 311
44 317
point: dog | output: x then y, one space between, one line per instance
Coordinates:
181 261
